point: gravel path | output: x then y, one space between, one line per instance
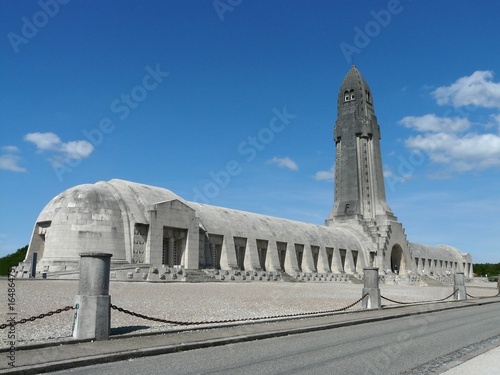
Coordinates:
193 302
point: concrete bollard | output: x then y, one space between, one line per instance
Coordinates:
93 313
371 287
459 284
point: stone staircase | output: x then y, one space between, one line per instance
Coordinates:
431 282
198 276
287 278
356 280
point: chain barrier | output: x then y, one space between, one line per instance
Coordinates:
496 295
175 322
33 318
412 303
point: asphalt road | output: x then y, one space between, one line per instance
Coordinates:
387 347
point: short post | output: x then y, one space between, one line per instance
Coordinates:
459 286
371 287
32 274
93 311
498 284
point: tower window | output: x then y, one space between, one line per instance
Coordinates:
346 98
352 97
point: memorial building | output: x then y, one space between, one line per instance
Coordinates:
154 234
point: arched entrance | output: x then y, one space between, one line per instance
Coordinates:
398 263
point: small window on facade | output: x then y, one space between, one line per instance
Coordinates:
352 97
346 98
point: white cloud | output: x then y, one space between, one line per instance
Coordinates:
477 89
401 175
62 152
457 142
10 162
44 141
387 171
496 119
328 175
462 153
77 149
284 163
10 149
433 123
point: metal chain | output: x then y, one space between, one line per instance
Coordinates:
411 303
33 318
175 322
496 295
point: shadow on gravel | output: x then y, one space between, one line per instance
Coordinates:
127 329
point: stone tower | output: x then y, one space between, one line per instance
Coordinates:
359 199
359 179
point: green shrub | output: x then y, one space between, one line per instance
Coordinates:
490 269
11 260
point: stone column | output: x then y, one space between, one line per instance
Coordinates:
459 284
371 287
93 314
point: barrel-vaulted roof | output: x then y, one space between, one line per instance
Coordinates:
134 200
440 252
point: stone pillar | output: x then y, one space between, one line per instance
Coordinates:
93 314
459 284
371 287
498 284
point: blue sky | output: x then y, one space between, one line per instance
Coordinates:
233 103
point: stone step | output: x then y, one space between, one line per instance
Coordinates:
355 280
288 279
198 276
431 282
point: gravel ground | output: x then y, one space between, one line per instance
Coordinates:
194 302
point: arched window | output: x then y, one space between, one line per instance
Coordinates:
346 96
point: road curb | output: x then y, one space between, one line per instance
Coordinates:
146 352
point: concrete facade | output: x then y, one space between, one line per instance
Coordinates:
150 227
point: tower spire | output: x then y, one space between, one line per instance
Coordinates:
359 181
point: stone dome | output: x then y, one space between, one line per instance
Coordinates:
94 217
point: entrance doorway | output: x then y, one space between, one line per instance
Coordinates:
174 244
398 263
